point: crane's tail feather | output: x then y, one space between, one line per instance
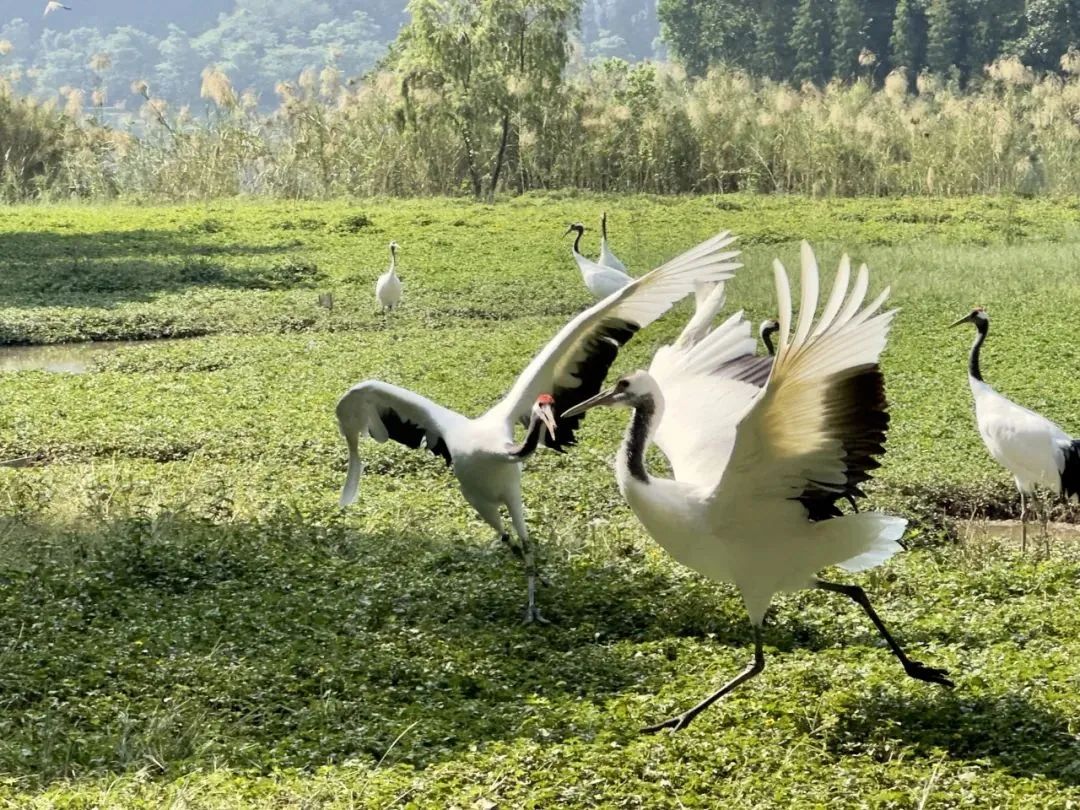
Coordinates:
1070 473
879 534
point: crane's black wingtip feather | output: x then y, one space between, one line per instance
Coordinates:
601 349
1070 473
857 413
412 435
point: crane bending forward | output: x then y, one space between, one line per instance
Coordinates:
758 470
570 369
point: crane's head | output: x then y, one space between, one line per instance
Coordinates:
578 227
544 410
630 391
393 247
977 316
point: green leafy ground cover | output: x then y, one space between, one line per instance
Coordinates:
187 618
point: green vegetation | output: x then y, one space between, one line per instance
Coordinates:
187 618
492 99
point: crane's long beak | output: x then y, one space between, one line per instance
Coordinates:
547 416
569 231
603 398
965 319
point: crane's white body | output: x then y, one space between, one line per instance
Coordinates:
570 368
601 281
1028 445
388 290
388 285
741 453
54 5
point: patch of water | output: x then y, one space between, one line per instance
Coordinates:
62 358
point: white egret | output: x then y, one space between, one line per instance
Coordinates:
757 470
571 368
388 286
1035 450
607 258
601 281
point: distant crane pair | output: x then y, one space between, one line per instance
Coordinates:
761 448
608 274
602 278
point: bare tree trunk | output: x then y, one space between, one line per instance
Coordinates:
470 160
499 158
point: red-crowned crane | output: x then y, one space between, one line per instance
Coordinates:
571 368
758 470
1035 450
602 281
388 285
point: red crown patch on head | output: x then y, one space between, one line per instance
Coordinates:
545 399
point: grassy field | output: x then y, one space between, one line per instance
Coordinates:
187 618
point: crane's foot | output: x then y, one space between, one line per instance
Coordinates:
677 723
534 616
929 674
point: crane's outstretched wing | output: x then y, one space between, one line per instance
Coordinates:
708 377
814 433
574 363
383 411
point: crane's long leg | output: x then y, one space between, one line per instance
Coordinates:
913 668
1023 523
1044 516
681 721
532 612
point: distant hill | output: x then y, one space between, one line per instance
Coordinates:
258 43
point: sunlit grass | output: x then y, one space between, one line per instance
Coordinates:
187 617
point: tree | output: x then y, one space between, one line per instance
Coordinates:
707 33
947 34
879 27
811 41
775 57
907 46
849 38
490 64
1051 27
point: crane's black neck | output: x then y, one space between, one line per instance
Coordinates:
530 442
603 226
637 439
983 326
577 240
766 338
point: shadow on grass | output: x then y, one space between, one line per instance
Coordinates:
1007 730
109 267
177 643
